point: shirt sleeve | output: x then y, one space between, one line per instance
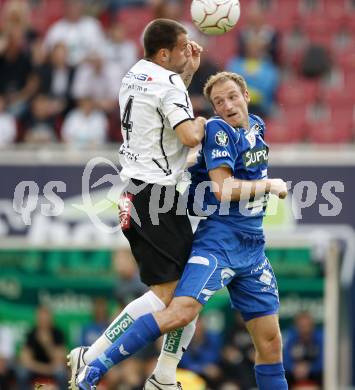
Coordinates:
176 106
219 148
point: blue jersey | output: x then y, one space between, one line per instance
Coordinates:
228 247
246 154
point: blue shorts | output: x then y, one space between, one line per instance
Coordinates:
239 264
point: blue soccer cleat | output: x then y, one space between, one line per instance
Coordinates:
88 377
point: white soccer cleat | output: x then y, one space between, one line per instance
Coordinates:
75 361
153 384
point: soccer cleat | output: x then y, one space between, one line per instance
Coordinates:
75 360
87 378
153 384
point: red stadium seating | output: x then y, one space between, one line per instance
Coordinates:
221 49
329 132
335 97
297 92
134 19
288 126
282 131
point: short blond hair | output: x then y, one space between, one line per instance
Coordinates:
222 77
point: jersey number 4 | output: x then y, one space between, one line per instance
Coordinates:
127 124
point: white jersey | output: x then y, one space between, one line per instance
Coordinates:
153 101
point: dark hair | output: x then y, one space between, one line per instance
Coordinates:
161 34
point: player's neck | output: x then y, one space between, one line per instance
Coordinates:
158 62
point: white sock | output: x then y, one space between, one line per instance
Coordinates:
147 303
174 345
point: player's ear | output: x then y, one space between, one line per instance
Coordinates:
247 96
164 55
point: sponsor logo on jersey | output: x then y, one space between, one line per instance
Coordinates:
221 138
219 153
255 157
261 266
251 135
173 340
138 76
266 277
251 139
119 327
130 155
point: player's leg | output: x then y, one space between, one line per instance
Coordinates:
175 343
150 302
202 277
161 252
254 292
145 330
266 336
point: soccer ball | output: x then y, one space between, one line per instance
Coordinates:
215 17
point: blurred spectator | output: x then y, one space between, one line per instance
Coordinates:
55 79
119 50
261 75
343 39
8 129
16 15
257 29
39 122
98 79
303 352
101 319
199 103
294 45
173 9
203 354
127 376
129 286
115 5
238 357
43 355
7 354
17 83
80 33
316 61
85 126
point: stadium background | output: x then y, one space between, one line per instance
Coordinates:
66 258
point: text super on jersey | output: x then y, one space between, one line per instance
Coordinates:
153 101
246 154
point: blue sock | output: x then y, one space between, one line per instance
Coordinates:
270 376
142 332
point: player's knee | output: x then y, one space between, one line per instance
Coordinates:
270 347
184 310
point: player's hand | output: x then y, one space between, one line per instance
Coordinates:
195 57
278 187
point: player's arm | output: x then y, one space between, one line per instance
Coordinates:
227 188
192 64
191 131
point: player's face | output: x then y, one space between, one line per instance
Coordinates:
230 103
179 55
